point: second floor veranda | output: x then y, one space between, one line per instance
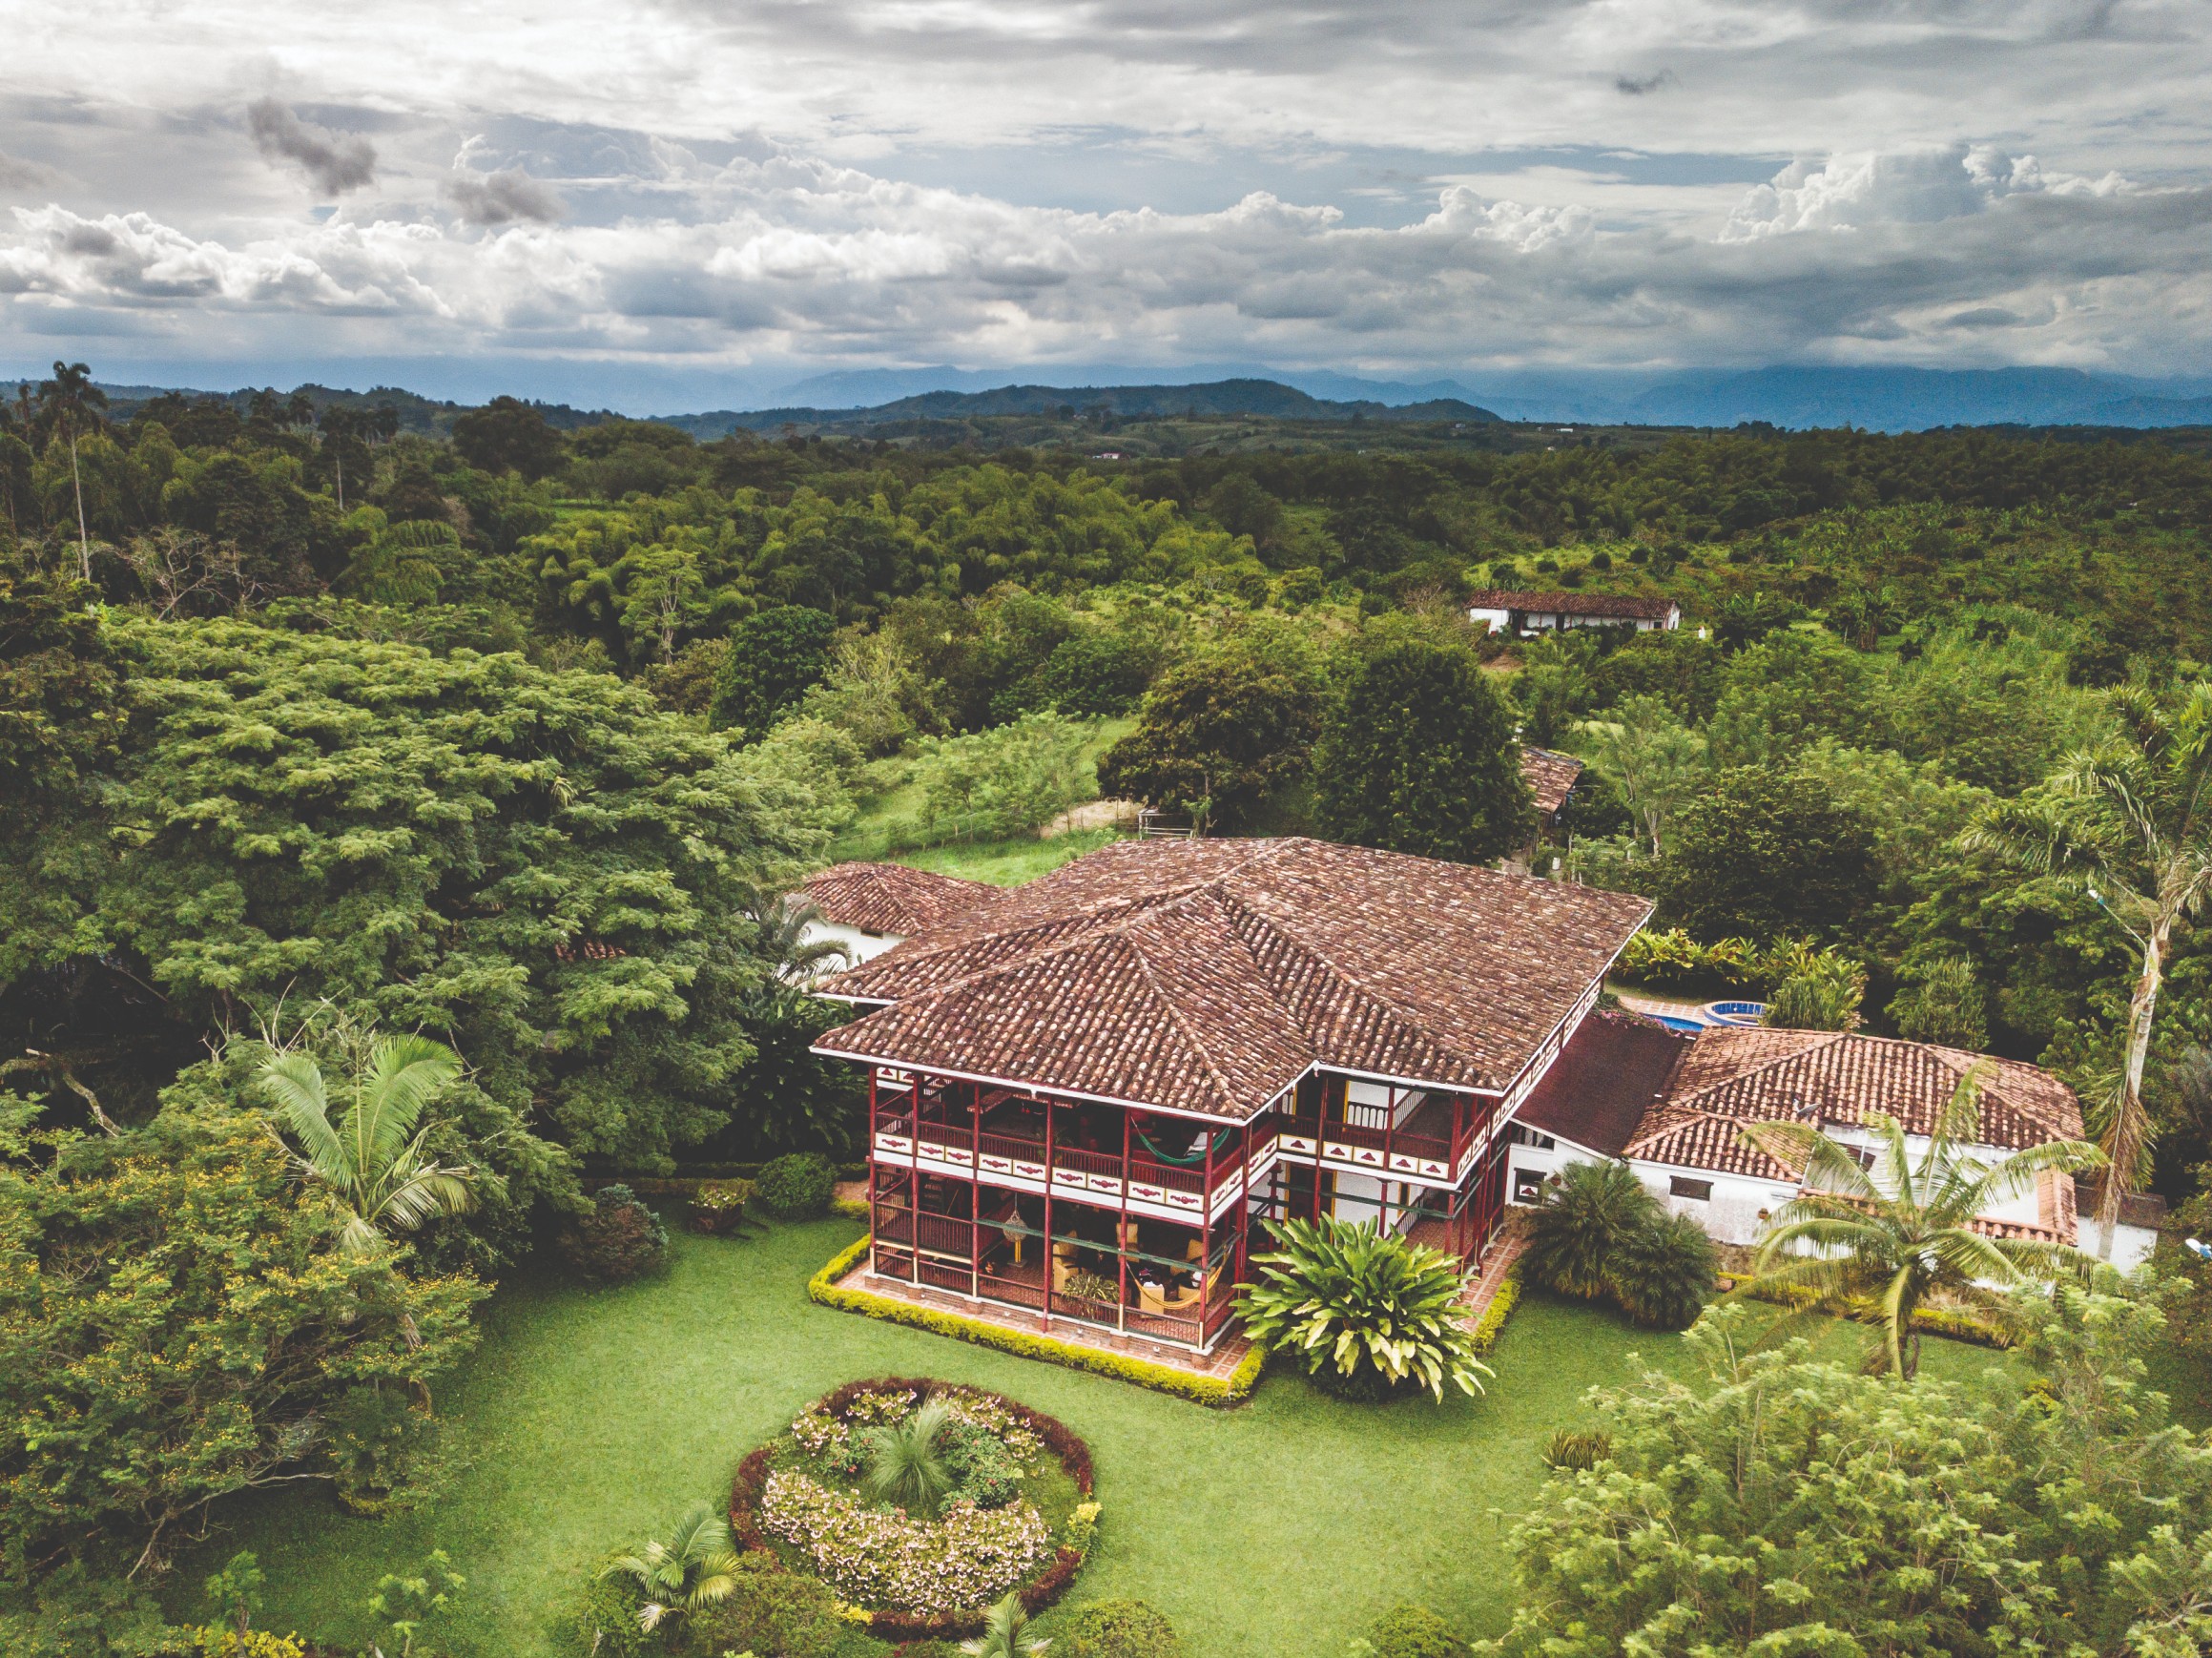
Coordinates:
1010 1135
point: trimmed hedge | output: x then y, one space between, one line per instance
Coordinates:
1500 1309
1234 1388
1928 1321
1038 1593
1118 1629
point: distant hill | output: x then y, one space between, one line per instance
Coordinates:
417 413
1259 399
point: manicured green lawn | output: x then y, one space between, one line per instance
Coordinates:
1280 1531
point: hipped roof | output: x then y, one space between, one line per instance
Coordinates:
1208 976
892 901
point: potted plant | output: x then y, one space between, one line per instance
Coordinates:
718 1206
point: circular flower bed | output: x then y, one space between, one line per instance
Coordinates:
1018 1514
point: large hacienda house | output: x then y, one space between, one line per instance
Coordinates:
1085 1094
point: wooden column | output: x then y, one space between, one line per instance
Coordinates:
1047 1262
1122 1236
1243 1211
874 1116
976 1191
914 1187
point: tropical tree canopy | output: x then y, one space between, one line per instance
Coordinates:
2131 820
696 1567
1779 1505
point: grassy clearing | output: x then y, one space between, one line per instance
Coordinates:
1009 862
590 1417
889 824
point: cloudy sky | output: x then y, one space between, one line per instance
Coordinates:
657 201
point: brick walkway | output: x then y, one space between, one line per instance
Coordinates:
1227 1353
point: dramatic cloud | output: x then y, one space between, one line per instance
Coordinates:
1903 187
796 257
780 187
502 198
336 162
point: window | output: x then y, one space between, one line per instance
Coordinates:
1527 1186
1522 1136
1696 1191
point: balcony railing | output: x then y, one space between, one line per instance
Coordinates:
953 1142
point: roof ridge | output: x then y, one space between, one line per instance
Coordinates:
1680 1118
1834 1037
1397 1010
1134 909
1175 1017
1398 1015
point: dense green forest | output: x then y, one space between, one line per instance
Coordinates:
317 730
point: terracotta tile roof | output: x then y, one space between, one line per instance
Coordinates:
890 900
1209 975
1572 604
1731 1076
1551 776
1599 1091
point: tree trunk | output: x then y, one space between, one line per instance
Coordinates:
338 460
77 483
2129 1131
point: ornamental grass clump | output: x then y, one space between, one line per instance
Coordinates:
905 1465
1368 1313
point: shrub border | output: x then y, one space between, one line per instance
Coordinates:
1500 1308
1040 1592
1929 1320
1232 1389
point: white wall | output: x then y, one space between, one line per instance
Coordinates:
2131 1245
1731 1214
859 946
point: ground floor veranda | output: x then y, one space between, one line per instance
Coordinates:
1102 1221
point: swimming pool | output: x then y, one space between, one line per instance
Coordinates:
1735 1012
1672 1022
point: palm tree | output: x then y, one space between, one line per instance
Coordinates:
73 403
1895 1233
373 1160
694 1567
2131 819
1002 1635
1581 1222
783 922
903 1464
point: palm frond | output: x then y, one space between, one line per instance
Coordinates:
1977 1193
1802 1147
404 1075
293 1084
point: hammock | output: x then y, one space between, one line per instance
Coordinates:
1189 1157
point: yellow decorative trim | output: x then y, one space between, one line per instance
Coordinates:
824 1289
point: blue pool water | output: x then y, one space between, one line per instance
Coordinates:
1672 1022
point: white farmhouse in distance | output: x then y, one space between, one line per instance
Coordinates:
1506 611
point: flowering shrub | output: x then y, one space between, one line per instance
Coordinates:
881 1558
795 1497
839 1438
